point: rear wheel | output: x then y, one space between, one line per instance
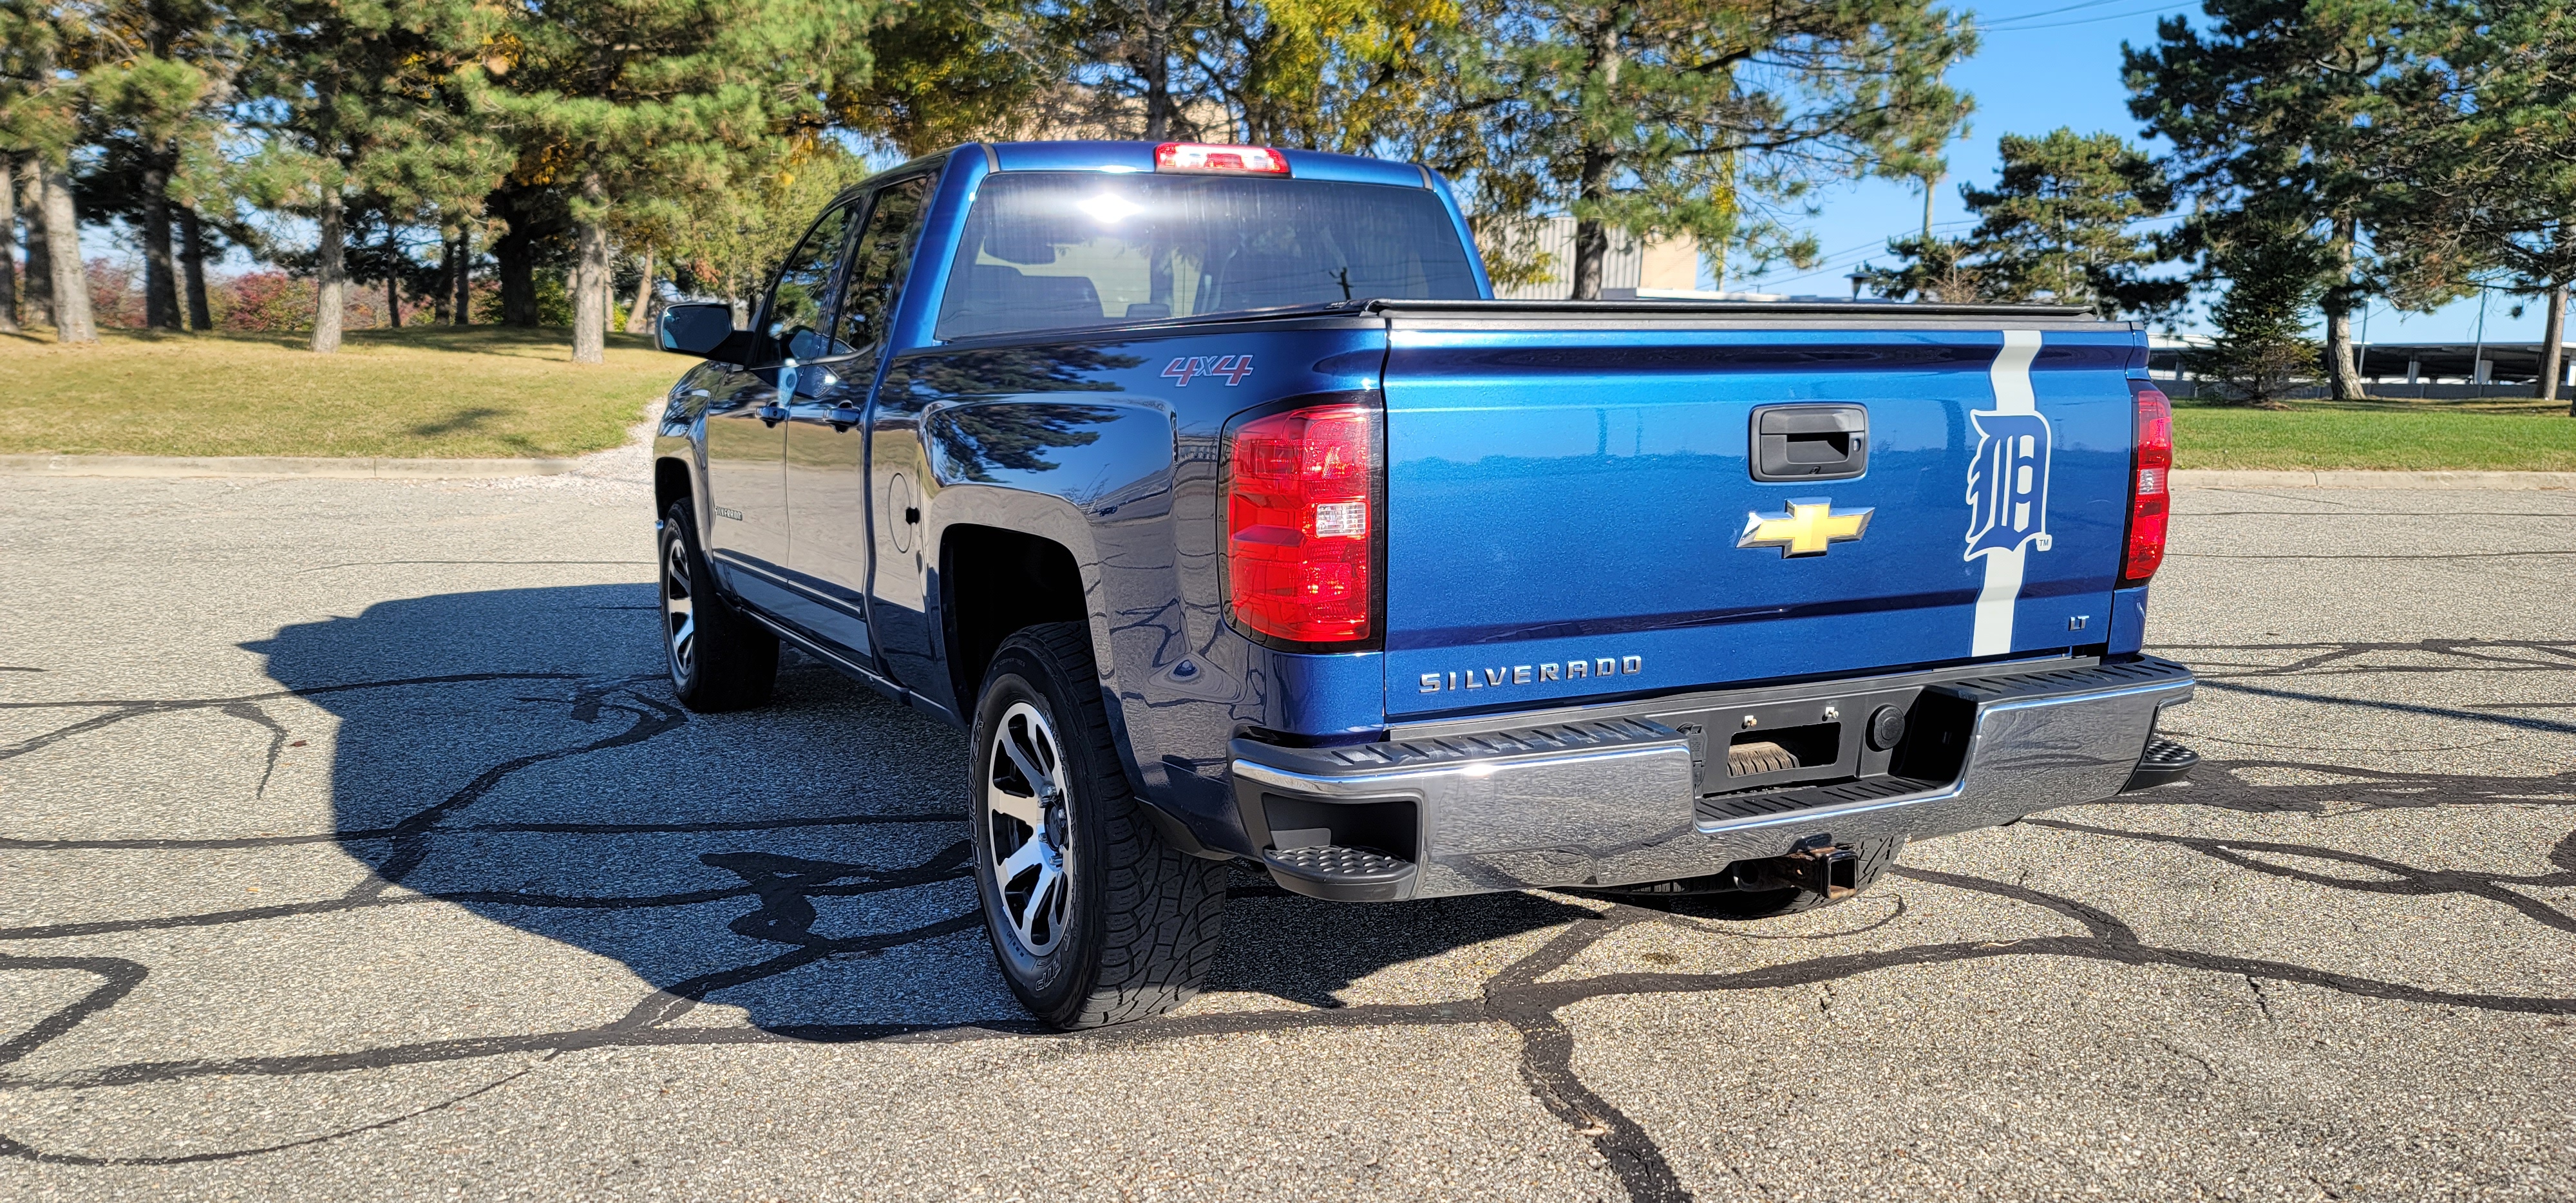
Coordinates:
1094 919
720 659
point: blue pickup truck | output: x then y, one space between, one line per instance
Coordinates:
1209 489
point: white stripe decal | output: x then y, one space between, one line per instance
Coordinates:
2003 524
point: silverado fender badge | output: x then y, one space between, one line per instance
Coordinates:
1233 367
1810 527
2007 492
1532 674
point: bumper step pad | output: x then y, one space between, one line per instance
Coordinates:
1340 874
2164 763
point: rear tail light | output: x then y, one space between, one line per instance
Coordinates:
1202 156
1301 524
2150 488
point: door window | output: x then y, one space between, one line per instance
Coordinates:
879 260
800 303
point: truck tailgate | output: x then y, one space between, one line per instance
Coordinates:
1572 511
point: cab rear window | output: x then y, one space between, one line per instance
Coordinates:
1056 250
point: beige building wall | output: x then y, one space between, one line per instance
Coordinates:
1670 263
1666 264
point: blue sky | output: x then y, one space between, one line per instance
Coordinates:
2048 63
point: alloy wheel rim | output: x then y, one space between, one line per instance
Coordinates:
1029 853
679 609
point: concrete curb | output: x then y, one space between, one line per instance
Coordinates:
281 465
2230 478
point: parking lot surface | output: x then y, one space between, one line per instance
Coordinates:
352 846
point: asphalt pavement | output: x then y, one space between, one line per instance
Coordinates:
352 847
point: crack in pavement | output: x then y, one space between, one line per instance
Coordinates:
1524 995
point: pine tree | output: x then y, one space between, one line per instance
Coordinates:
2262 348
646 103
2281 107
356 94
2061 224
1703 117
2485 162
41 47
164 63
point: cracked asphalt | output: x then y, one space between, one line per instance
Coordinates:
350 846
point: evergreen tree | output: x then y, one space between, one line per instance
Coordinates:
349 91
41 48
2274 276
948 71
645 103
2485 162
2060 224
1702 117
165 64
2277 117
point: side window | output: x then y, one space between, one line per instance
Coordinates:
879 260
800 303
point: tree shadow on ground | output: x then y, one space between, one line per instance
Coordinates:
517 753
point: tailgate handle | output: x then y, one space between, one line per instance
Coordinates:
1810 442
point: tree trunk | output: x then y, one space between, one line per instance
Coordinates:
465 276
393 301
516 253
192 264
8 245
160 272
590 277
2343 375
446 294
2553 332
36 300
637 315
331 277
72 322
1591 237
1156 67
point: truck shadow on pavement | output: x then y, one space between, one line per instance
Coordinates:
515 753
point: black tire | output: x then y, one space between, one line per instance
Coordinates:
1705 897
1093 917
719 658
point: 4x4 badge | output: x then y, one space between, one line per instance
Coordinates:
1810 526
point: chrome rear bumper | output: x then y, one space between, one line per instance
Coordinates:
1618 800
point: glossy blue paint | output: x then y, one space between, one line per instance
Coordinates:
1075 156
2128 620
1094 435
1557 495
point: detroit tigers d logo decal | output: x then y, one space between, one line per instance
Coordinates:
2007 491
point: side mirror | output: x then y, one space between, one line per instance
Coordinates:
700 329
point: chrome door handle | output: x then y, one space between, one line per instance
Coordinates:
842 417
770 415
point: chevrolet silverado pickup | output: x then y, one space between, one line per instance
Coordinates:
1210 491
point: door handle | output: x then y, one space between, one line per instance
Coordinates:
842 417
1810 442
770 414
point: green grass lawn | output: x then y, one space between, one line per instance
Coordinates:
426 391
487 391
2491 433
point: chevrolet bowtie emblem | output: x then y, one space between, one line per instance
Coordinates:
1810 526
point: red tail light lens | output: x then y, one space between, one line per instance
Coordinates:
1201 156
2150 488
1300 520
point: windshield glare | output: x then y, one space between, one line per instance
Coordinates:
1053 250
